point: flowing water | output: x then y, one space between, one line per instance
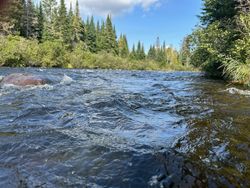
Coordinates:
101 128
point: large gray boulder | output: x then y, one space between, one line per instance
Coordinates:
19 79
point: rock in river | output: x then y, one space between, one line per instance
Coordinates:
19 79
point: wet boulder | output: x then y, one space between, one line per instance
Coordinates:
19 79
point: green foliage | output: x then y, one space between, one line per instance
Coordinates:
17 51
40 17
163 55
52 54
140 52
11 17
108 61
212 44
57 37
91 35
222 46
123 46
132 54
29 21
76 26
50 31
185 52
218 10
110 44
63 23
152 53
237 65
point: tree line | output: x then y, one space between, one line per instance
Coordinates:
50 21
220 45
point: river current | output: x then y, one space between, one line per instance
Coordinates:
103 128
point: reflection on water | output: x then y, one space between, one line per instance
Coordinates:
123 129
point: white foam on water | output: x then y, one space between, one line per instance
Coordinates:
234 90
6 86
31 87
66 80
46 86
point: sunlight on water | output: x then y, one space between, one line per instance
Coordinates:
120 128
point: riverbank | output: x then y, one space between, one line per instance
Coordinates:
20 52
221 44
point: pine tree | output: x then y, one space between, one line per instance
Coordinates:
110 43
123 46
116 48
152 53
138 51
29 28
40 22
218 10
91 35
77 25
142 53
50 20
125 51
132 55
63 23
160 57
23 20
100 37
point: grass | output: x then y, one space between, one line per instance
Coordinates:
237 72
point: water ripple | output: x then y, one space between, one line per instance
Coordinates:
101 128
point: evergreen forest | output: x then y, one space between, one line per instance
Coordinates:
49 34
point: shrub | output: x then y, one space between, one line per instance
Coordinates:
17 51
52 54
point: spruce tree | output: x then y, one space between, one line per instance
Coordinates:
138 51
100 38
63 22
77 25
50 20
152 53
123 46
142 53
218 10
160 57
40 22
30 21
132 55
91 35
110 44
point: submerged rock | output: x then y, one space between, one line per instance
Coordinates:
19 79
238 91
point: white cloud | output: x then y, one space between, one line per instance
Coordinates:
114 7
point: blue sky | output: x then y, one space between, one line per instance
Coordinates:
171 20
145 20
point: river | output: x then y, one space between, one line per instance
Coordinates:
103 128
